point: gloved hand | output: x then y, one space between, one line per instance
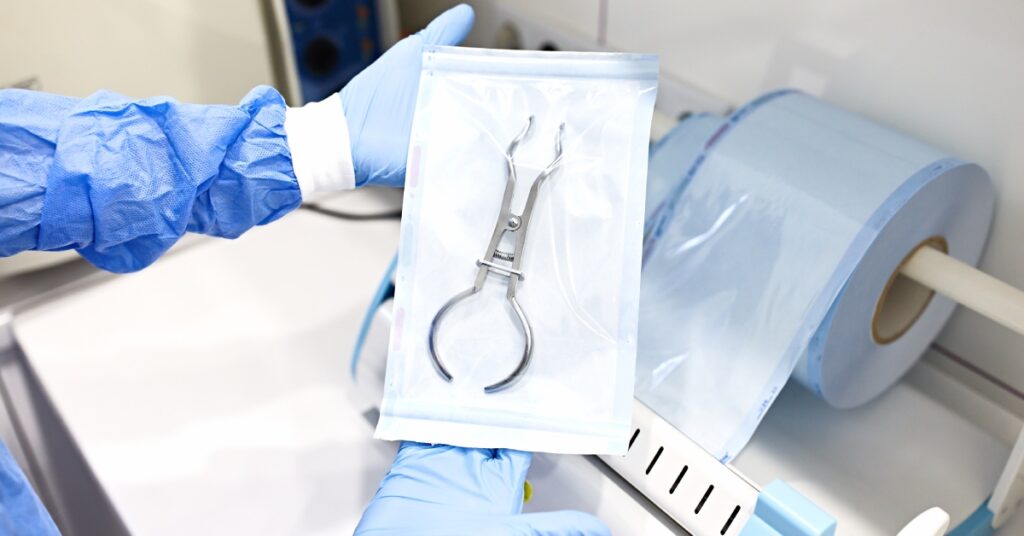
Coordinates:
457 491
379 101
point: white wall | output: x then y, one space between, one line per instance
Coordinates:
193 50
949 72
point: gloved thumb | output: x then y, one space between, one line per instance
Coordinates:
560 523
449 28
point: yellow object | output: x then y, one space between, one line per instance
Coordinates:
527 491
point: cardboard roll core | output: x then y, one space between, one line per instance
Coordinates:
902 300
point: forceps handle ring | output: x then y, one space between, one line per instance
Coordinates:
516 374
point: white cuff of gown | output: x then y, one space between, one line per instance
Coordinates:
321 152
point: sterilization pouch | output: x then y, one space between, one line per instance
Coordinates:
576 275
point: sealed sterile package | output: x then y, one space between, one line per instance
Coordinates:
518 277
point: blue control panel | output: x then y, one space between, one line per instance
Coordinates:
333 41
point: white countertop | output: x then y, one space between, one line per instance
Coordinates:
208 393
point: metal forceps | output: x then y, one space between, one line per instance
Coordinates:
507 223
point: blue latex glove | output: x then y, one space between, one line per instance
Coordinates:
379 102
458 491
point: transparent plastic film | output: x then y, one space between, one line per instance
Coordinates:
682 144
518 276
769 256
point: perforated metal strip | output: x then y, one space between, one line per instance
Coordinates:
703 495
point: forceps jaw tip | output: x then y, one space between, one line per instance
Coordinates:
444 375
495 388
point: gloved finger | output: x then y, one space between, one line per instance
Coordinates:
442 476
514 462
510 467
449 28
412 452
560 523
408 448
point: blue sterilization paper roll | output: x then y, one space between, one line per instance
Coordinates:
671 156
769 257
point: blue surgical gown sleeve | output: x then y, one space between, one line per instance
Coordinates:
21 512
121 180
